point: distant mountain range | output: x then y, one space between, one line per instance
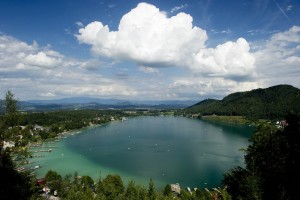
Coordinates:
273 102
77 100
97 103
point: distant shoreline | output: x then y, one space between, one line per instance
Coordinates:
227 119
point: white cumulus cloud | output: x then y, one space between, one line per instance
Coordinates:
230 59
43 59
149 37
146 36
207 87
33 72
278 58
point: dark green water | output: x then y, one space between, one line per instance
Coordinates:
191 152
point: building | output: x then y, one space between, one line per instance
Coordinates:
9 144
175 188
38 128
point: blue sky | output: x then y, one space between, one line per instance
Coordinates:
147 50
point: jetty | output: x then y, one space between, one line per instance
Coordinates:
35 146
35 167
46 150
51 147
38 156
20 169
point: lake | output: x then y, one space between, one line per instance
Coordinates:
190 152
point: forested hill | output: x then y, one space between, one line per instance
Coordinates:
273 102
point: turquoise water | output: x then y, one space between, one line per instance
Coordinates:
191 152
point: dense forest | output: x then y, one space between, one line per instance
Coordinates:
270 103
272 164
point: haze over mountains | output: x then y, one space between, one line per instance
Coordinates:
272 102
97 103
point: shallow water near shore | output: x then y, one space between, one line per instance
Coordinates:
191 152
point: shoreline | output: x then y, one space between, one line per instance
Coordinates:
64 135
104 170
239 120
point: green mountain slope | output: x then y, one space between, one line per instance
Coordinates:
272 102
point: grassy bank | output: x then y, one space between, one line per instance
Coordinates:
227 119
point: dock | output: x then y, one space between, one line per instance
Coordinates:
35 167
38 156
46 150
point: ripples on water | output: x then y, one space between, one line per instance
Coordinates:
191 152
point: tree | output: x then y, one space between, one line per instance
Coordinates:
111 187
131 192
13 185
52 176
168 190
151 190
10 103
202 195
266 158
11 114
142 192
87 180
272 164
185 195
2 129
53 180
87 183
77 192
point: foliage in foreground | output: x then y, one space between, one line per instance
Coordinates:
272 164
112 187
13 185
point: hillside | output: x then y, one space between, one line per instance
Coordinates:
273 102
